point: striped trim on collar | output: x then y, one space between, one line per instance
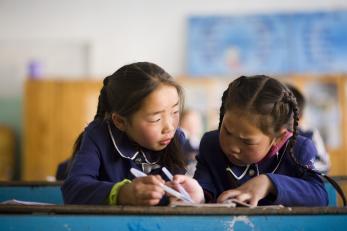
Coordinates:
125 148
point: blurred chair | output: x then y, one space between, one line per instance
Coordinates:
322 160
192 126
7 153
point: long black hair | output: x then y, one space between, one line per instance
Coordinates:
123 93
274 106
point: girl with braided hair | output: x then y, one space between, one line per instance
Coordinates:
256 155
135 127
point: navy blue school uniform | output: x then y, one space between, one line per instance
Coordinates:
62 170
293 185
105 157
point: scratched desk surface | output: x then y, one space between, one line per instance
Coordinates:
47 192
167 210
73 217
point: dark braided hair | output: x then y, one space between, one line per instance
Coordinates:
221 109
123 93
103 106
289 98
300 99
268 99
274 106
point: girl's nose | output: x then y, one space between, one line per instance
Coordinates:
231 143
168 125
234 149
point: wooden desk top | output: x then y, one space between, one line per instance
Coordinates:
165 210
31 183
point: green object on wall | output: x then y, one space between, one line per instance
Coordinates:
11 113
11 109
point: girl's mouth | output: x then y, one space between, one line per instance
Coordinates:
165 142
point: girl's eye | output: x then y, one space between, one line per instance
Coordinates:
176 112
249 143
154 120
227 132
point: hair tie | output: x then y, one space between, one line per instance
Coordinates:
286 96
105 82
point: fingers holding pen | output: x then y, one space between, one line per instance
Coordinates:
143 191
149 185
190 185
151 179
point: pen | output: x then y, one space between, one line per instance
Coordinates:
138 173
180 188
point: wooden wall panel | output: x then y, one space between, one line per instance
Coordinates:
7 153
55 112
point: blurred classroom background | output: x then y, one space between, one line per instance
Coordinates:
54 54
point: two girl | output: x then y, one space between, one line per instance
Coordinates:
255 156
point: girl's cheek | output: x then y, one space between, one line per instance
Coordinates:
254 155
258 156
176 121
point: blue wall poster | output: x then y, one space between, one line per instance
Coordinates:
277 44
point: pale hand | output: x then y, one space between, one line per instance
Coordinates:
142 191
190 185
250 192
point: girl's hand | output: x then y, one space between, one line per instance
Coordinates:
250 192
142 191
190 185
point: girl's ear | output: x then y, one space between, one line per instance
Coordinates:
282 135
119 121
